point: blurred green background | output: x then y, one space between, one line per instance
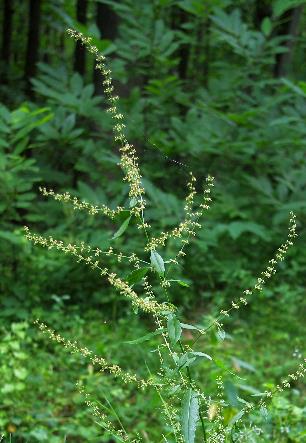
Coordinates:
213 86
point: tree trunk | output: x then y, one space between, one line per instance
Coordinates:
32 43
80 53
107 23
292 30
6 37
179 18
206 50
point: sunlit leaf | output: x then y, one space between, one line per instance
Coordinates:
191 358
189 416
157 262
174 328
236 417
279 7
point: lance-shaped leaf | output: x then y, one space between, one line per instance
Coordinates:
189 416
182 283
122 228
145 337
157 262
186 326
137 275
191 358
236 417
174 329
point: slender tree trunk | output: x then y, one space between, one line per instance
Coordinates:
32 43
47 37
6 37
107 23
80 53
292 30
206 49
179 18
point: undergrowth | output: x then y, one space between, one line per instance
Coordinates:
146 278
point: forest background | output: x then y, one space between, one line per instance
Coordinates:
213 86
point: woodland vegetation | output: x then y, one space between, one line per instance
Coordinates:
216 87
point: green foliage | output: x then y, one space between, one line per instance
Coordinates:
174 329
157 263
190 416
200 92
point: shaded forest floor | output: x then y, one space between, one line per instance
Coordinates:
43 404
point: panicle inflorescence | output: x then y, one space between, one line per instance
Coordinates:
268 272
187 228
81 205
129 159
148 304
121 434
74 348
291 378
195 215
269 394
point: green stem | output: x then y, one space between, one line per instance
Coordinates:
203 426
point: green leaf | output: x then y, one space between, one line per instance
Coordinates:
237 228
122 228
137 275
86 192
40 434
247 388
221 334
174 329
186 326
231 393
238 364
264 412
189 416
281 6
7 388
182 283
11 237
191 358
145 337
20 373
266 26
157 262
133 202
174 389
294 87
236 417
